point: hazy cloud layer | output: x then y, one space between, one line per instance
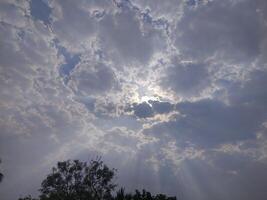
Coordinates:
172 93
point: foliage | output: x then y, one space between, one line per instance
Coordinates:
27 198
76 180
145 195
1 175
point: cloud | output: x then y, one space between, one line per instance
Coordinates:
170 10
186 79
14 13
122 33
250 93
143 110
161 107
150 108
207 123
88 79
72 24
211 122
221 29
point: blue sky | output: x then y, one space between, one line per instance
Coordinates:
171 93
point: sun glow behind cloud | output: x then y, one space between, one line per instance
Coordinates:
149 98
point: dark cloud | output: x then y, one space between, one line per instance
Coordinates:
211 122
161 107
151 108
143 110
186 79
208 123
252 92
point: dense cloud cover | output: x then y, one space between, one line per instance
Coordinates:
172 93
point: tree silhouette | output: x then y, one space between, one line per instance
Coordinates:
76 180
27 198
144 195
1 175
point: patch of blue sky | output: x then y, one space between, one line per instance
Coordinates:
71 61
40 10
191 2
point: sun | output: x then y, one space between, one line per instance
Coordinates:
146 94
148 98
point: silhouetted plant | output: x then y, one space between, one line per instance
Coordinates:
27 198
1 175
144 195
76 180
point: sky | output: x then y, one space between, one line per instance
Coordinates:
171 93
